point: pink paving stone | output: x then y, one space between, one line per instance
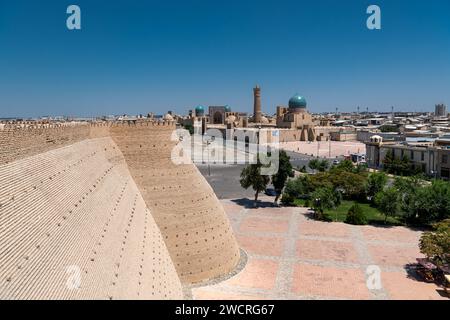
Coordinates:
284 213
394 255
202 294
232 207
329 282
253 224
396 234
268 246
258 273
326 250
324 229
400 287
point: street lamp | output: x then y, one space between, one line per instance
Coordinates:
208 142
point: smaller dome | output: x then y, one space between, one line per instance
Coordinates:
199 110
297 102
227 108
168 117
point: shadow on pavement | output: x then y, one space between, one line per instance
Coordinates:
250 204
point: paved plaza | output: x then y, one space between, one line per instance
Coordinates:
326 149
291 256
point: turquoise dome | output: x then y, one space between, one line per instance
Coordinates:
199 110
227 109
297 102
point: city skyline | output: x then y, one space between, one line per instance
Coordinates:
157 57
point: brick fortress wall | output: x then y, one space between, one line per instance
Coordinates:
191 218
178 221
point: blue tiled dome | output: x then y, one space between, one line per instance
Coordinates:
297 102
199 110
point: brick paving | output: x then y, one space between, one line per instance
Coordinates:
291 256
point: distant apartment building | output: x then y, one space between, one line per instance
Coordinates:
443 169
440 110
365 135
428 157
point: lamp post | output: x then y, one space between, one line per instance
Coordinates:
208 142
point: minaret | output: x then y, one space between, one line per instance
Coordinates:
257 104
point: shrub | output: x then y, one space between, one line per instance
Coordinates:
356 216
307 203
435 245
287 199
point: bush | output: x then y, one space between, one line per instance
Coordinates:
356 216
287 199
307 203
435 245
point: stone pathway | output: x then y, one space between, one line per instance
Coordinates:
291 256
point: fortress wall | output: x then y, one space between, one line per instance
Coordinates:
191 219
76 208
18 141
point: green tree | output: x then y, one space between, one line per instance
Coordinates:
323 165
346 165
351 185
395 166
313 164
387 202
319 165
299 187
435 245
355 215
284 172
430 203
375 183
407 188
251 177
190 128
324 199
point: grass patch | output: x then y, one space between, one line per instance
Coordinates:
299 202
374 216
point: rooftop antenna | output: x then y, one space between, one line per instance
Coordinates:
358 109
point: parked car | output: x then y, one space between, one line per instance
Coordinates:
271 192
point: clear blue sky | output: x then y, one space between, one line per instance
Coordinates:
140 56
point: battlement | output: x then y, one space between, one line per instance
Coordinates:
27 138
30 125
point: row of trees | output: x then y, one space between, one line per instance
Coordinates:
399 167
409 198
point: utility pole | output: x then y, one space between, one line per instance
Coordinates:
329 146
318 148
